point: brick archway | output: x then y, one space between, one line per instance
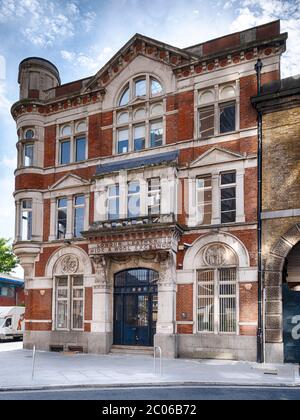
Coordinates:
274 265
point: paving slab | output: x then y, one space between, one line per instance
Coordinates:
80 370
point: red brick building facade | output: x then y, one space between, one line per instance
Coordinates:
136 198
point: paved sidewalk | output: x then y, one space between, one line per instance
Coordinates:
69 370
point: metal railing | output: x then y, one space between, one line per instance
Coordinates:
160 360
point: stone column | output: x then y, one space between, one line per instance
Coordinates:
100 340
165 331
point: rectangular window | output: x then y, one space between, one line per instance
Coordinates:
7 292
62 303
62 209
113 204
217 301
65 152
79 211
154 196
156 134
228 197
28 155
26 220
70 303
207 121
123 141
204 200
139 138
77 303
80 149
134 199
227 117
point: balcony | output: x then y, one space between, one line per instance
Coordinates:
141 234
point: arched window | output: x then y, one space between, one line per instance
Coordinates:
124 100
217 290
140 125
29 134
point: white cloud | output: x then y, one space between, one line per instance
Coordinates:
43 22
5 104
257 12
88 62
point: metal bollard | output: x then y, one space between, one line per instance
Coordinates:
160 360
33 362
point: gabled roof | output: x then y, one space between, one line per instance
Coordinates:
138 43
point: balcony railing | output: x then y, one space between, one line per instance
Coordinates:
143 221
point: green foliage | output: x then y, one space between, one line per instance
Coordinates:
8 260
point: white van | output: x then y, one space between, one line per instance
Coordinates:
12 322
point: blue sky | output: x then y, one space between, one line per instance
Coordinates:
79 36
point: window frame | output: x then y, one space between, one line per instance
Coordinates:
57 218
29 211
112 198
75 208
73 137
146 103
216 297
131 195
217 103
224 187
70 301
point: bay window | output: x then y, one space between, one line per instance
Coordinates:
26 220
28 158
69 303
217 301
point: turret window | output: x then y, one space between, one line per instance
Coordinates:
28 159
29 134
26 220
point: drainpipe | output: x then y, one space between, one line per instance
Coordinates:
260 330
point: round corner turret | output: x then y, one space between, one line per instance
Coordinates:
36 76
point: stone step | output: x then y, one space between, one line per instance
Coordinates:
137 350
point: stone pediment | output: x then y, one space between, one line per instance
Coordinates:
216 156
69 181
140 45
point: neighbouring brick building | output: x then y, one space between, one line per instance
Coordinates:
11 291
279 104
136 198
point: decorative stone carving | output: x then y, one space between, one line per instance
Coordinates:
167 274
219 255
101 265
215 255
69 264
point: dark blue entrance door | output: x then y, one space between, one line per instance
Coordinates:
291 327
135 307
